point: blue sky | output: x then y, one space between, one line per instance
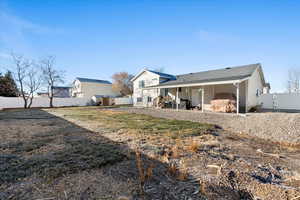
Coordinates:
97 38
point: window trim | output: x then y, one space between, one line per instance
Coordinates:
141 83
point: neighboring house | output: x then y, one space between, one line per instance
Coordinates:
246 82
85 87
58 91
42 94
61 91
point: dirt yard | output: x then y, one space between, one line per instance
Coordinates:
95 153
281 127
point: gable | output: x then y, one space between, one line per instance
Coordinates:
147 76
159 74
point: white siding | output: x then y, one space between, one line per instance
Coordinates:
150 79
254 84
76 90
89 89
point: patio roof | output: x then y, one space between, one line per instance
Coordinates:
221 76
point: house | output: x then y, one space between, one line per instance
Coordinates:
244 83
85 87
42 94
61 91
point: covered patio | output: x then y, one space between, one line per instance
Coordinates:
200 95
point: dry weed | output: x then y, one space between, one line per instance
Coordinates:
172 169
194 146
183 172
149 171
144 173
175 152
140 167
165 158
176 148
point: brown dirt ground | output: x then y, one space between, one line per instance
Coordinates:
214 165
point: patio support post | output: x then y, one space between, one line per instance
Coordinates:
157 97
237 98
143 97
176 99
202 99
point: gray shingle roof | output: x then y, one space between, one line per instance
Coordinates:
226 74
93 80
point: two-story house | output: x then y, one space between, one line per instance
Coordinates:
85 87
147 78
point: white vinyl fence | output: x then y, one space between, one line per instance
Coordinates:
17 102
280 101
123 101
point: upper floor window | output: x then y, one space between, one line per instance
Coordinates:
141 84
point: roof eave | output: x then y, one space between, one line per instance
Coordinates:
198 84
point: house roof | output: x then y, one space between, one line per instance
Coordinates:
164 75
226 74
93 80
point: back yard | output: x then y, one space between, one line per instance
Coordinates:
97 153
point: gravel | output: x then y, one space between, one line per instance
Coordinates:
280 127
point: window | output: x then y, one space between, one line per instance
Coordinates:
166 92
258 92
139 99
141 84
149 99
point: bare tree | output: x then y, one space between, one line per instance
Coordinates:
33 83
122 83
51 76
293 82
27 78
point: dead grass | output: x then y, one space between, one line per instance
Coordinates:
139 123
66 161
52 154
79 154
